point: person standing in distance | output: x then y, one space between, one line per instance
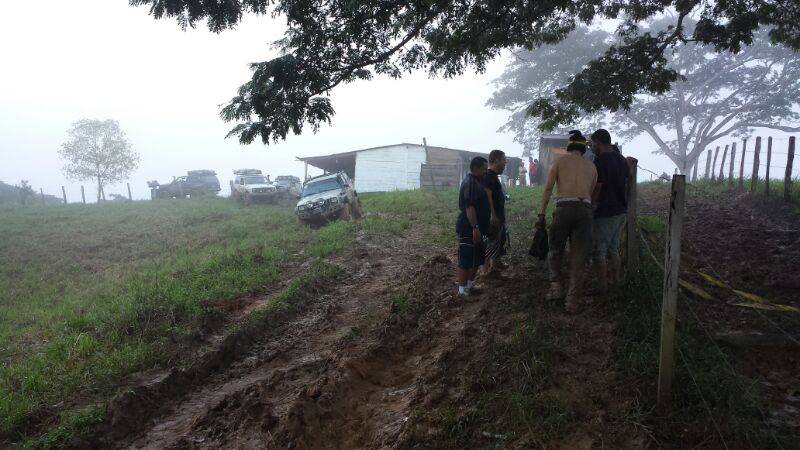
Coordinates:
497 206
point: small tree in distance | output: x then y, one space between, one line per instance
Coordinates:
25 191
98 150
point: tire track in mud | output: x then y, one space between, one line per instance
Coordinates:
239 406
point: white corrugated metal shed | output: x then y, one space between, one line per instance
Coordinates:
395 167
392 168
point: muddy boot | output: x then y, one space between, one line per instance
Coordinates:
556 291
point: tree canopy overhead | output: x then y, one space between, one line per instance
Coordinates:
339 41
719 94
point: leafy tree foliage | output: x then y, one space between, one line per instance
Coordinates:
717 94
98 150
339 41
25 191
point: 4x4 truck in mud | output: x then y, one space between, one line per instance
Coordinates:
251 186
289 186
328 197
196 183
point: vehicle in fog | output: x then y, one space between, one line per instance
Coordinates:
251 186
328 197
196 183
289 185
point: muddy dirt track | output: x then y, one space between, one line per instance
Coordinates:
376 358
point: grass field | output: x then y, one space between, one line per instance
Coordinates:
90 294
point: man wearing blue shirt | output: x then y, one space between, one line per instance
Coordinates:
472 225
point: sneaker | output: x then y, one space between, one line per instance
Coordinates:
556 292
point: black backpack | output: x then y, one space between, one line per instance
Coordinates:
540 246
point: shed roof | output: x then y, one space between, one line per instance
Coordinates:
346 161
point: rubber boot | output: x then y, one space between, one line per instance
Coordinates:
556 291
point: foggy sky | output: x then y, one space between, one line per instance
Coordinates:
64 61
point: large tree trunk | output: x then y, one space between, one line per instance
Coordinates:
100 194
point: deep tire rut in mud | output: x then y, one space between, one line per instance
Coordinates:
340 362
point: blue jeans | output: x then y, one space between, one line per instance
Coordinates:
607 233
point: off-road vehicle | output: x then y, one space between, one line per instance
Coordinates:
196 183
328 197
251 186
289 185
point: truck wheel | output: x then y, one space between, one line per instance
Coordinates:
345 213
358 212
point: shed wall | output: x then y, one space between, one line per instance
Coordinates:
395 168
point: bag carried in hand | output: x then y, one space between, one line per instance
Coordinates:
540 246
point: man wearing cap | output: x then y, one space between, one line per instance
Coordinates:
612 206
575 179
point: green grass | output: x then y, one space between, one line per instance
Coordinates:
91 294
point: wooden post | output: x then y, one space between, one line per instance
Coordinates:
130 197
756 162
694 169
64 194
714 165
41 192
733 159
787 179
722 164
632 244
769 161
672 260
83 195
708 163
305 172
741 164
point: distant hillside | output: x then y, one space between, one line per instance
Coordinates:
11 194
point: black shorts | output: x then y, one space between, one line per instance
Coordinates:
470 254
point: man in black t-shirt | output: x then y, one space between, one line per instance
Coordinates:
472 225
497 206
612 206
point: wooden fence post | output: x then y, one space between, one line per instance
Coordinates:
714 164
733 158
787 179
722 164
130 197
83 195
756 162
672 259
64 194
741 164
41 192
708 163
769 161
632 243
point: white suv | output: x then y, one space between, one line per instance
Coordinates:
250 185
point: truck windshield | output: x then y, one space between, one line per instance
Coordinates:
254 180
331 184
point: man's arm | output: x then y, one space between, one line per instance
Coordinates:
494 217
472 216
548 188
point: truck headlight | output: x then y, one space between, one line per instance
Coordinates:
334 200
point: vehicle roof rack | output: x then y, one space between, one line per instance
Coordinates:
201 172
247 172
